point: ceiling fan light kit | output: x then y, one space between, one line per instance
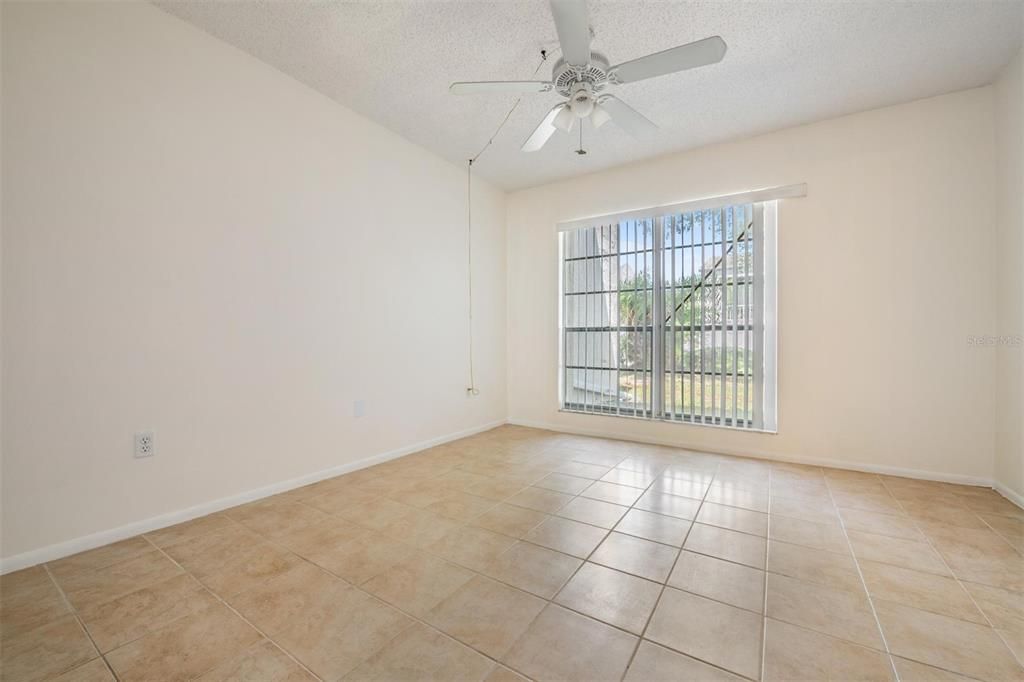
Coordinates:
581 75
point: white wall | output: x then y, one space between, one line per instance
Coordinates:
196 244
1009 134
885 271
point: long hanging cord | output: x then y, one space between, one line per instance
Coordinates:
472 389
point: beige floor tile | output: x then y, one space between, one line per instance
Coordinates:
421 653
95 670
612 492
48 650
486 615
165 537
651 560
702 473
317 536
363 557
881 503
727 544
338 501
708 630
933 511
262 661
101 557
912 554
496 489
840 613
1011 530
669 505
18 584
925 591
462 507
534 569
540 499
569 537
474 548
991 502
966 648
988 568
681 487
654 663
912 671
139 613
275 520
185 648
614 597
602 458
815 566
28 599
594 512
1004 609
733 496
423 493
733 518
582 470
510 520
631 478
418 585
562 645
668 530
720 580
378 514
231 561
421 529
795 653
328 625
824 536
808 509
564 483
880 524
503 674
88 589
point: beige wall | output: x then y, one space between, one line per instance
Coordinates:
196 244
884 273
1009 133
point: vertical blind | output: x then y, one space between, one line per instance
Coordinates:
668 317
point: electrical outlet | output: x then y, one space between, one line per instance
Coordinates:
144 444
358 408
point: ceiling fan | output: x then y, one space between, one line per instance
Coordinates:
581 75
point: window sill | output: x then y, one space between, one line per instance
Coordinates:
681 422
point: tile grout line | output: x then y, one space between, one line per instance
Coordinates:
81 623
661 592
960 582
764 583
863 582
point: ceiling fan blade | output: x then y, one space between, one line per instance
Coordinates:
689 56
627 118
485 87
544 131
572 23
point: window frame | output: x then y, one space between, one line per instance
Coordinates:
764 333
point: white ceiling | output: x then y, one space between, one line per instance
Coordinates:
788 63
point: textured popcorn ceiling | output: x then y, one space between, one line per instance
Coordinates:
788 63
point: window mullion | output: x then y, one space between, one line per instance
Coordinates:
658 321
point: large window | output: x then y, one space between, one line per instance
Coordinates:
672 316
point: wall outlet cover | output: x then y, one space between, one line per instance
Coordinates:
144 444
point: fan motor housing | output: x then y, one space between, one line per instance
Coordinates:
566 76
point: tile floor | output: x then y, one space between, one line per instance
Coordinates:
520 553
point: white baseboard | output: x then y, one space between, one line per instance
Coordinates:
1009 493
831 463
105 537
